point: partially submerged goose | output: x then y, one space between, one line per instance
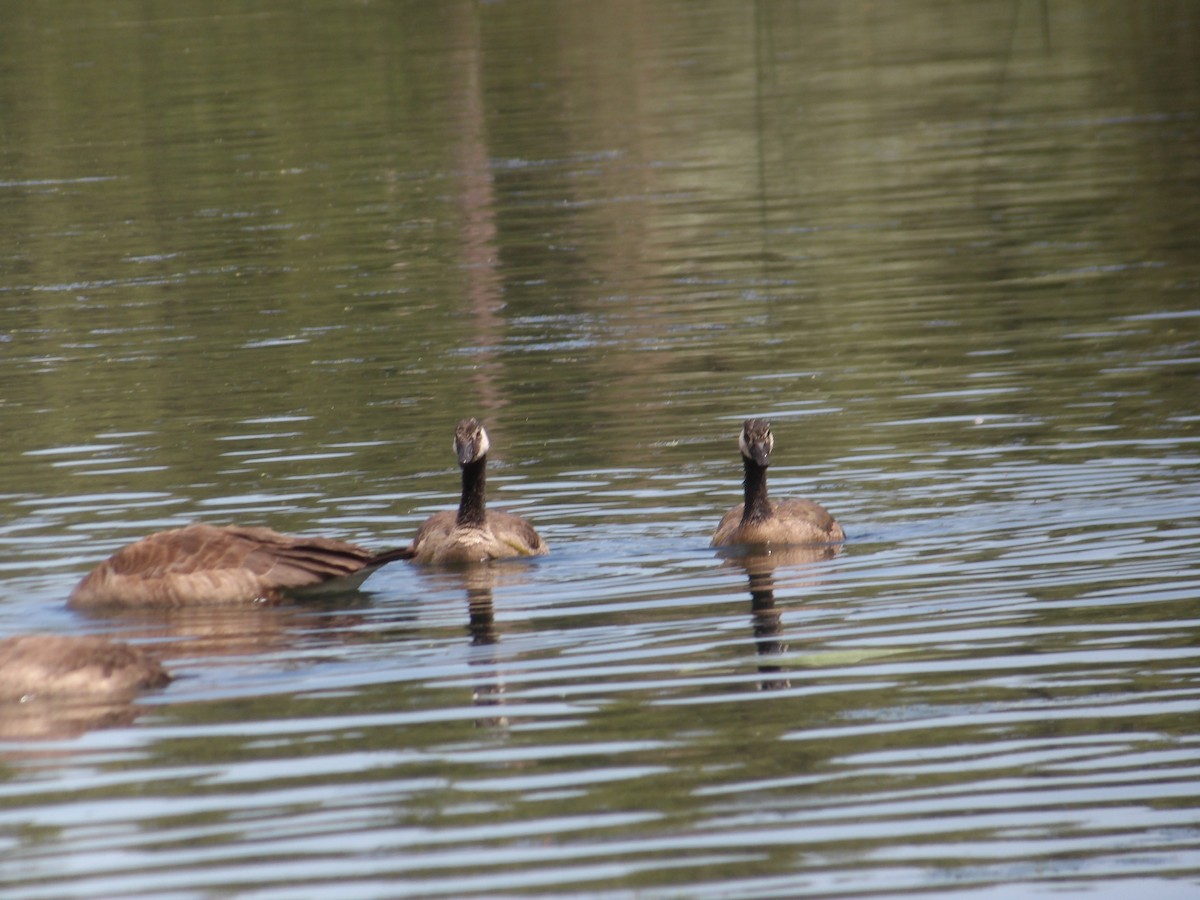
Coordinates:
210 565
86 666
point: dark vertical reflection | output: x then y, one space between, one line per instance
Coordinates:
767 623
488 691
766 619
482 623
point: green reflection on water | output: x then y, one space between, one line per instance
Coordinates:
259 262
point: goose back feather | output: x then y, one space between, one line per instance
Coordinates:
39 665
215 565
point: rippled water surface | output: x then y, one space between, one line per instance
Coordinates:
258 263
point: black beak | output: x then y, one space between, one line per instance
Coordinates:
467 449
760 453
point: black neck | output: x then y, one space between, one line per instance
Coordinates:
757 506
471 508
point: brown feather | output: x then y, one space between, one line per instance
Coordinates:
792 521
46 664
213 565
442 540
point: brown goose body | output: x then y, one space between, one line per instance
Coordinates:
791 521
212 565
760 520
474 533
442 540
40 665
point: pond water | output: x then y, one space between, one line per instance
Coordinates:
258 262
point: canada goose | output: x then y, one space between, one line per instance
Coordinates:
760 520
79 666
209 565
474 533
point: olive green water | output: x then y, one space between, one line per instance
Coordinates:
258 260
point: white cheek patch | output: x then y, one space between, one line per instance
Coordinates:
484 444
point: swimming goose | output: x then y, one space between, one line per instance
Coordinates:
474 533
40 665
760 520
210 565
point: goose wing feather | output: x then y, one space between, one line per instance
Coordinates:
210 565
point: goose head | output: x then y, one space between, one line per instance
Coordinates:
756 441
470 441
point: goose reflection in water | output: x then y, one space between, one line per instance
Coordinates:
478 584
766 619
489 686
54 687
59 686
